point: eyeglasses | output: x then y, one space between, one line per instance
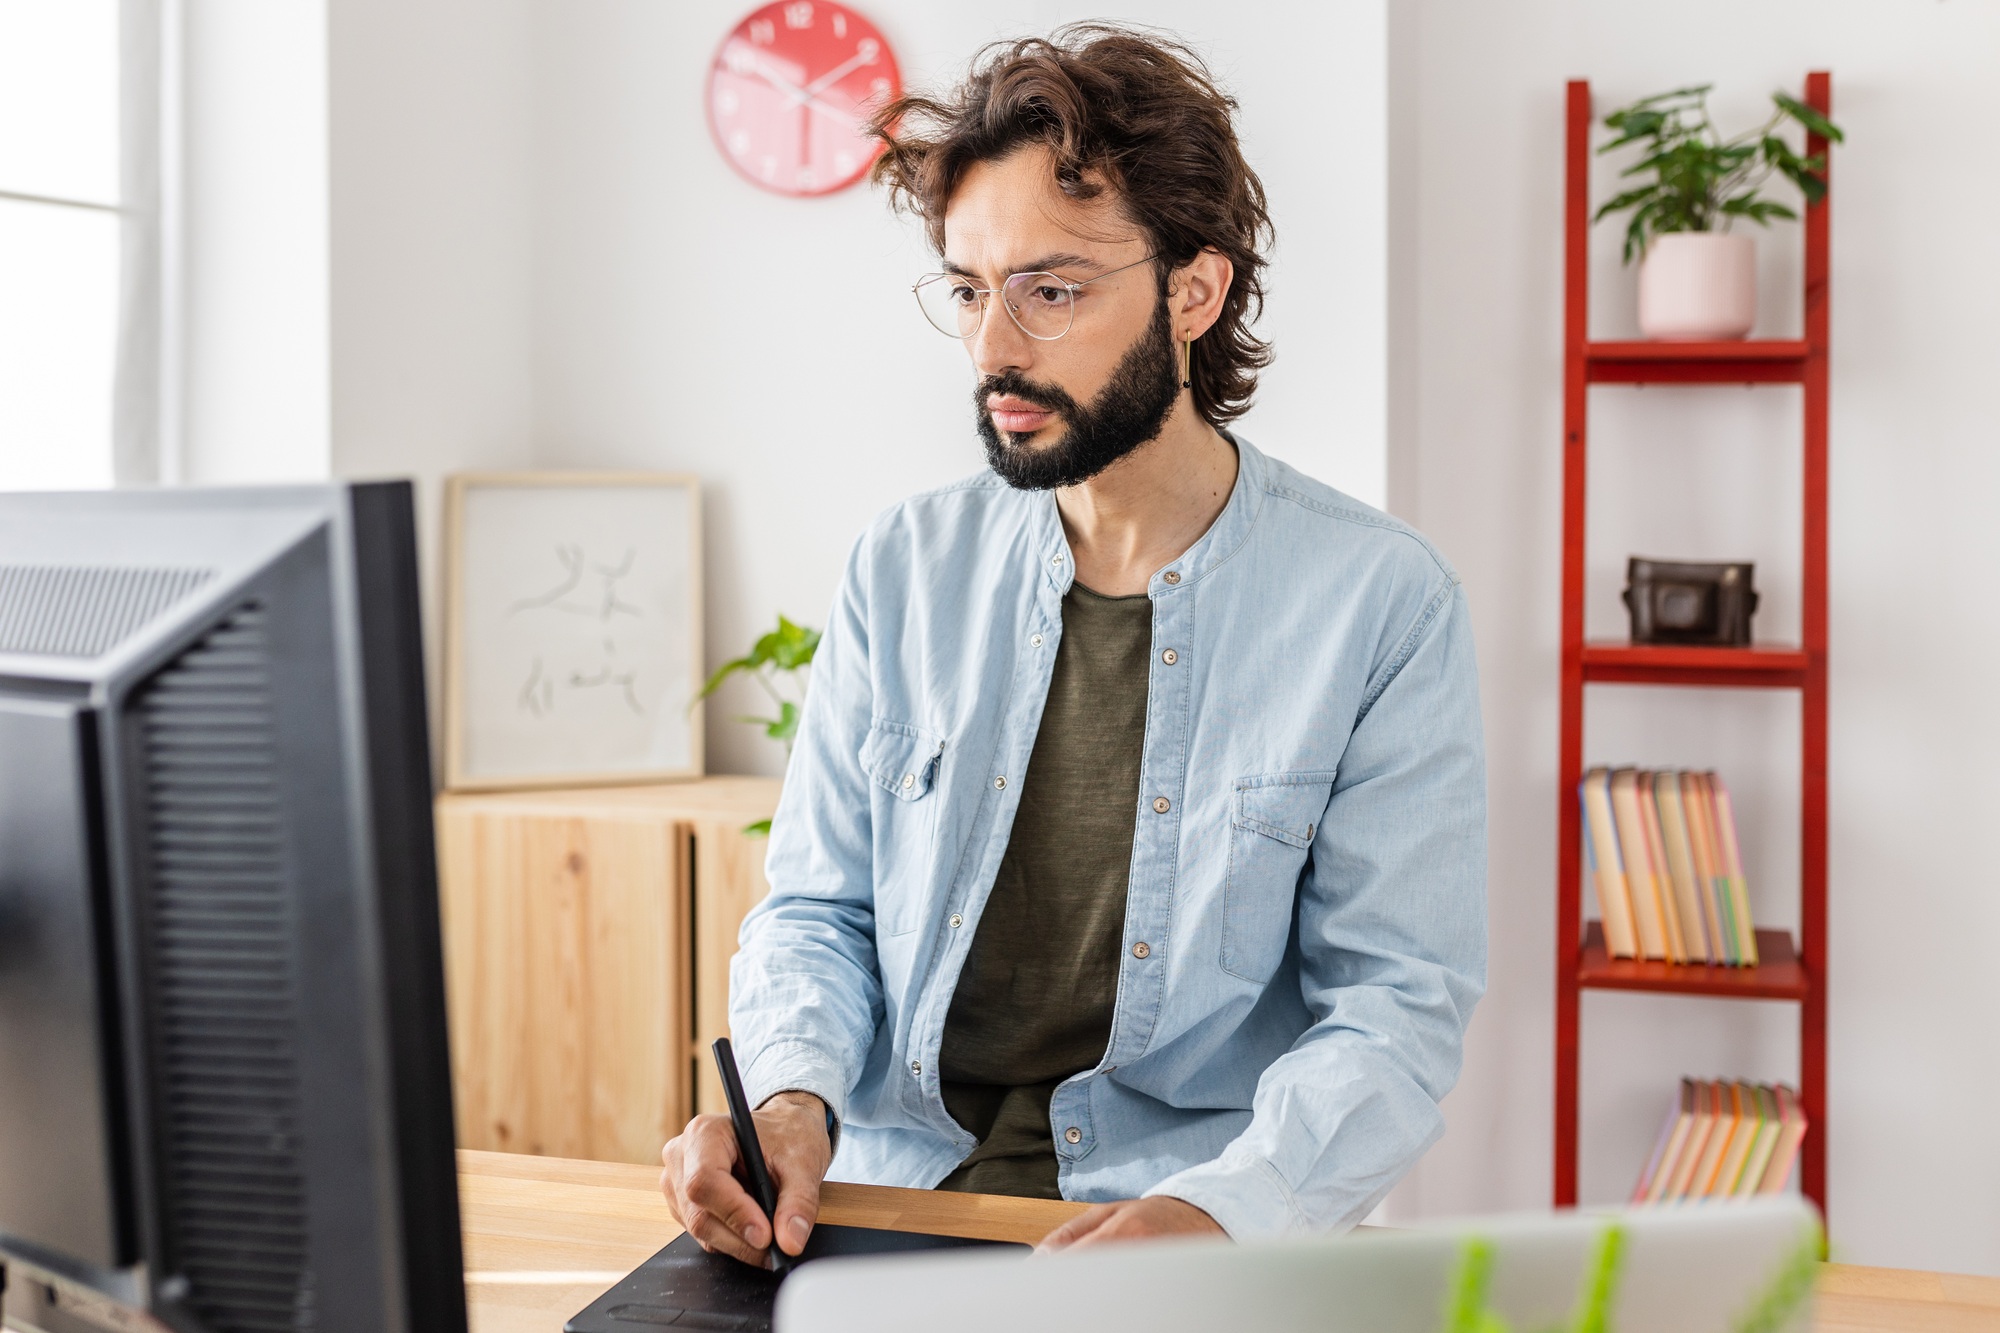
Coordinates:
1043 305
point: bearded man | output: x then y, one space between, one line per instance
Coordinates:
1133 848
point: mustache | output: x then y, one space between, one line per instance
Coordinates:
1013 384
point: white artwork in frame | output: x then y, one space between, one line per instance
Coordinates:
572 629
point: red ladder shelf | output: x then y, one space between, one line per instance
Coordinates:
1785 973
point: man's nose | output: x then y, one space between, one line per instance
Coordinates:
998 344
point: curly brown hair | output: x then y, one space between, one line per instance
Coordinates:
1134 113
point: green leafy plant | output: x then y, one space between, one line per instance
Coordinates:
780 663
1700 180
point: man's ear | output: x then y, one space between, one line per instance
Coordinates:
1196 292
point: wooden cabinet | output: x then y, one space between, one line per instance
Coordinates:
588 934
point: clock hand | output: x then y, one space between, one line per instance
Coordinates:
778 81
799 96
865 55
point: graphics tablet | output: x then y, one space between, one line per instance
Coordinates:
684 1287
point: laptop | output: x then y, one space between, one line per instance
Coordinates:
1702 1269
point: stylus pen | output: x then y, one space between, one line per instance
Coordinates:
747 1145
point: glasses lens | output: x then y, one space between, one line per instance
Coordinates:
1040 303
950 303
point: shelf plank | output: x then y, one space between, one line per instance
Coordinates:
1778 976
1765 666
1750 361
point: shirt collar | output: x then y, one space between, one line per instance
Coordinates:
1229 531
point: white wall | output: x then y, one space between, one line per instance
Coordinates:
686 320
254 394
430 247
1712 472
357 281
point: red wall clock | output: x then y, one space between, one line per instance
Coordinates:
790 92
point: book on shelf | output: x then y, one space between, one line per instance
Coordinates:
1662 852
1607 866
1725 1139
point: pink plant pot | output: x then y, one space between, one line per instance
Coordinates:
1697 286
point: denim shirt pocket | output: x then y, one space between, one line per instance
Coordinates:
903 761
1274 818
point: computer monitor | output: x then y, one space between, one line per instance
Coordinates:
225 1097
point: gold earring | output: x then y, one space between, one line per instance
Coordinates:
1187 360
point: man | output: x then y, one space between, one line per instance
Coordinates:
1133 849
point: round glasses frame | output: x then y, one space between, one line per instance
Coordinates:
930 287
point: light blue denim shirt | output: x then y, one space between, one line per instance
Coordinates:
1305 923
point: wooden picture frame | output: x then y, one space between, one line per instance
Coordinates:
572 608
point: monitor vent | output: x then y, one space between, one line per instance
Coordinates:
54 612
223 996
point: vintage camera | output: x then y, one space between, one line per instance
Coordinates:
1685 601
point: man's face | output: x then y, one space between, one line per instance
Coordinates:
1055 413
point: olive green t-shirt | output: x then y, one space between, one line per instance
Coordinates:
1033 1005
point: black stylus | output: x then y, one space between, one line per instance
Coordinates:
747 1145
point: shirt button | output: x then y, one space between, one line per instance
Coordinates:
1170 657
1173 576
1161 805
1055 562
1142 949
1035 639
909 781
1073 1135
1000 783
956 921
916 1067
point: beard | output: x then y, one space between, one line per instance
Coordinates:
1129 411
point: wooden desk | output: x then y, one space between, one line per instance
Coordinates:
544 1237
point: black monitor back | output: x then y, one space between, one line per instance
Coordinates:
224 1082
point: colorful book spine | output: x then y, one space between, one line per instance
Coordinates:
1768 1128
1723 1140
1614 900
1793 1133
1732 870
1694 793
1663 880
1647 915
1666 1153
1680 867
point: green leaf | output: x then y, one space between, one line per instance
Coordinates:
786 725
1697 91
1626 200
761 828
722 673
793 646
1808 117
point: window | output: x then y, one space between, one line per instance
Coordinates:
79 243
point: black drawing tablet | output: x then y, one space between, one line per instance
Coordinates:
684 1287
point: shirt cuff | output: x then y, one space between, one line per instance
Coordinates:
793 1066
1245 1195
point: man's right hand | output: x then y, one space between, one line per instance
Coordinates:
702 1189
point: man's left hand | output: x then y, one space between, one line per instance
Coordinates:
1131 1219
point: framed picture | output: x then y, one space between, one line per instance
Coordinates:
572 629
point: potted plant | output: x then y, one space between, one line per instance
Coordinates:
1697 279
780 662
